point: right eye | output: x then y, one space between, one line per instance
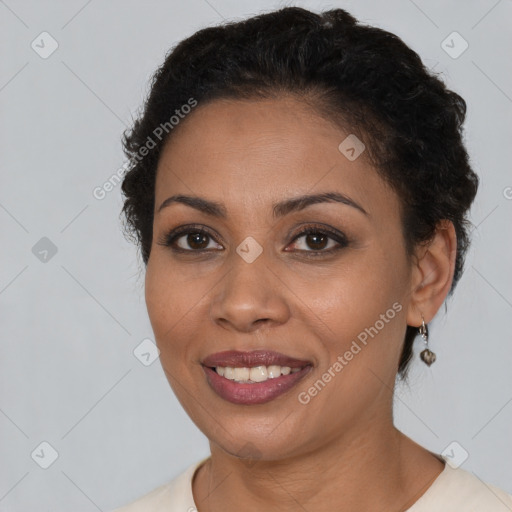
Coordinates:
196 238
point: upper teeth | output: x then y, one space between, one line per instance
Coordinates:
255 374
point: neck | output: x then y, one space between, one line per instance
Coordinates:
376 469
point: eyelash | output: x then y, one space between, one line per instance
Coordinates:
169 239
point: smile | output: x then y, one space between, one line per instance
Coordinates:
256 374
251 378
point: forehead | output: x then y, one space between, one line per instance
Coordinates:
243 129
254 152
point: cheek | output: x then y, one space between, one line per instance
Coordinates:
156 296
165 301
365 318
175 301
363 303
171 303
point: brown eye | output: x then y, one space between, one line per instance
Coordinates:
316 241
319 241
189 239
197 240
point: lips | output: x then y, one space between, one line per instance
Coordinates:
238 359
254 393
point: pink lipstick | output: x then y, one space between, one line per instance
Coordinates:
250 378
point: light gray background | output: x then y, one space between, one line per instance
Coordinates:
69 326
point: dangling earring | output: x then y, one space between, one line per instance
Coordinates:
427 356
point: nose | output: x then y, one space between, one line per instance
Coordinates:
249 296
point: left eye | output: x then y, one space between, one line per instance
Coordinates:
318 241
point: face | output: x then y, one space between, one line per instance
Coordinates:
243 275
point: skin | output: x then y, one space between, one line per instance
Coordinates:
343 442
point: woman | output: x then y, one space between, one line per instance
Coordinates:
299 190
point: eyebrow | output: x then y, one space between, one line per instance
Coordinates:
215 209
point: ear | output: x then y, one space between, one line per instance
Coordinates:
432 274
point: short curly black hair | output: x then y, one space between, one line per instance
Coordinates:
362 77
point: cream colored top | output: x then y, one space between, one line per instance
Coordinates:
454 490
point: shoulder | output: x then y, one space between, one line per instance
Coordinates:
175 495
458 489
